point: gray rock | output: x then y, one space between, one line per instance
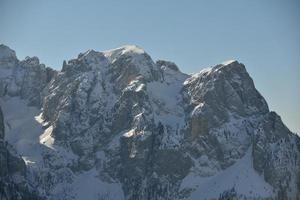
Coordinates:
168 64
276 156
148 126
13 183
26 78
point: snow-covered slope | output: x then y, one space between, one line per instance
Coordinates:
241 177
117 125
13 175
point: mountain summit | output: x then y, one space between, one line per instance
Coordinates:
117 125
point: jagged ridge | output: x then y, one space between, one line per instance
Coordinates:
145 130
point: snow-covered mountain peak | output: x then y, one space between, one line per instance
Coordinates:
92 57
126 62
126 49
230 66
129 62
89 54
6 53
132 52
116 125
111 54
132 48
228 62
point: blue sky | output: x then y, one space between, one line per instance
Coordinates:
264 35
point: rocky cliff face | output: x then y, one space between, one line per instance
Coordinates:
25 78
13 182
117 125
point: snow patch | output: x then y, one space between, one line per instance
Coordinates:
46 138
88 186
21 128
228 62
129 133
240 176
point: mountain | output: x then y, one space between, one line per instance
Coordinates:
13 180
117 125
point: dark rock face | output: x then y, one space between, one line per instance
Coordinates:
225 89
1 125
147 128
13 184
222 102
276 156
168 64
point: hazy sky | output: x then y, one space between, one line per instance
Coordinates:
264 35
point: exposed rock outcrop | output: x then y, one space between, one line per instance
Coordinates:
13 183
136 129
